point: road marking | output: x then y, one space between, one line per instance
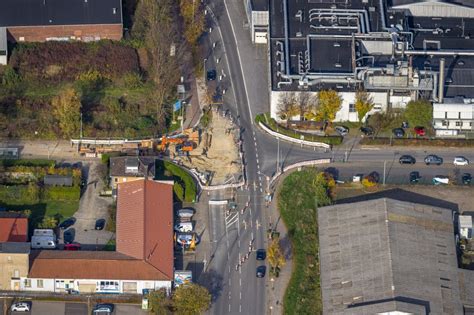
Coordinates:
240 295
240 281
240 308
240 63
261 189
229 282
229 308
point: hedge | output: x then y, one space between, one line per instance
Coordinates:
23 162
418 142
180 176
274 126
62 193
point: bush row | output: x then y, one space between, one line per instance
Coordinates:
274 126
184 179
23 162
418 142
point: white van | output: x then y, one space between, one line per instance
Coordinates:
184 227
43 242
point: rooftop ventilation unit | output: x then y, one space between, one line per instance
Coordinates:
336 44
338 65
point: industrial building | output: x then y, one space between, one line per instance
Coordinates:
397 50
45 20
257 15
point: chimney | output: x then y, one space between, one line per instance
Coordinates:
441 81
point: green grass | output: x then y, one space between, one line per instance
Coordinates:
297 203
166 170
274 126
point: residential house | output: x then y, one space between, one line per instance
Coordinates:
129 168
46 20
14 264
144 258
385 256
465 226
13 227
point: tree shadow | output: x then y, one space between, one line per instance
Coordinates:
285 244
213 282
38 212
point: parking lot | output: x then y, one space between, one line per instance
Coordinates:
71 308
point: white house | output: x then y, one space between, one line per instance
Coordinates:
92 272
465 226
453 116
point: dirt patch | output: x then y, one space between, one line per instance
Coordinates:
217 154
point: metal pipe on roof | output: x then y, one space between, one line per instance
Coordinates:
441 80
336 11
439 52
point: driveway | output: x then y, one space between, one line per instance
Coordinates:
91 208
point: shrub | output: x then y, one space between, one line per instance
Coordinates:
368 182
62 193
168 170
178 191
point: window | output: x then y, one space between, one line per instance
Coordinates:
22 39
9 259
458 123
27 283
39 283
352 108
445 123
16 273
116 179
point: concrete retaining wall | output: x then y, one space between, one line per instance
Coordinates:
290 139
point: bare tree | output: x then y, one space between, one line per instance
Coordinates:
287 105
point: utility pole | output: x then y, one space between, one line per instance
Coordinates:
384 168
81 126
278 155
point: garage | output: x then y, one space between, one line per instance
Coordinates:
86 287
130 287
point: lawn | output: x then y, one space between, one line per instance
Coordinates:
297 202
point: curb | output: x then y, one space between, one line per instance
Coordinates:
299 164
290 139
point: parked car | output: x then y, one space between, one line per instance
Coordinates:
186 238
420 131
461 160
185 213
398 132
405 125
440 179
261 254
103 308
433 159
68 236
466 178
20 307
72 246
261 271
211 75
184 227
407 159
342 130
99 224
67 223
414 177
368 131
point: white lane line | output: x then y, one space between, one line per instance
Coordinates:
240 281
261 190
240 308
229 282
229 307
240 63
257 161
240 295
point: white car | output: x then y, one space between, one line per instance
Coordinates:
20 307
461 160
440 179
184 227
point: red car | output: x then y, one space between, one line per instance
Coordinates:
420 131
72 246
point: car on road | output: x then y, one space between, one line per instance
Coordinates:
466 178
103 308
433 159
261 254
184 227
67 223
440 179
72 246
261 271
367 130
20 307
68 236
99 224
415 177
185 213
398 132
342 130
407 159
211 75
460 161
419 131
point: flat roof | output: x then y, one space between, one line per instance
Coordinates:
15 247
259 5
384 250
59 12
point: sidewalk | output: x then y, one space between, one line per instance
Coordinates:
276 289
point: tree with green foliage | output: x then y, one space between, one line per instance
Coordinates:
329 103
193 17
364 104
191 299
67 111
159 302
276 259
419 113
49 222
